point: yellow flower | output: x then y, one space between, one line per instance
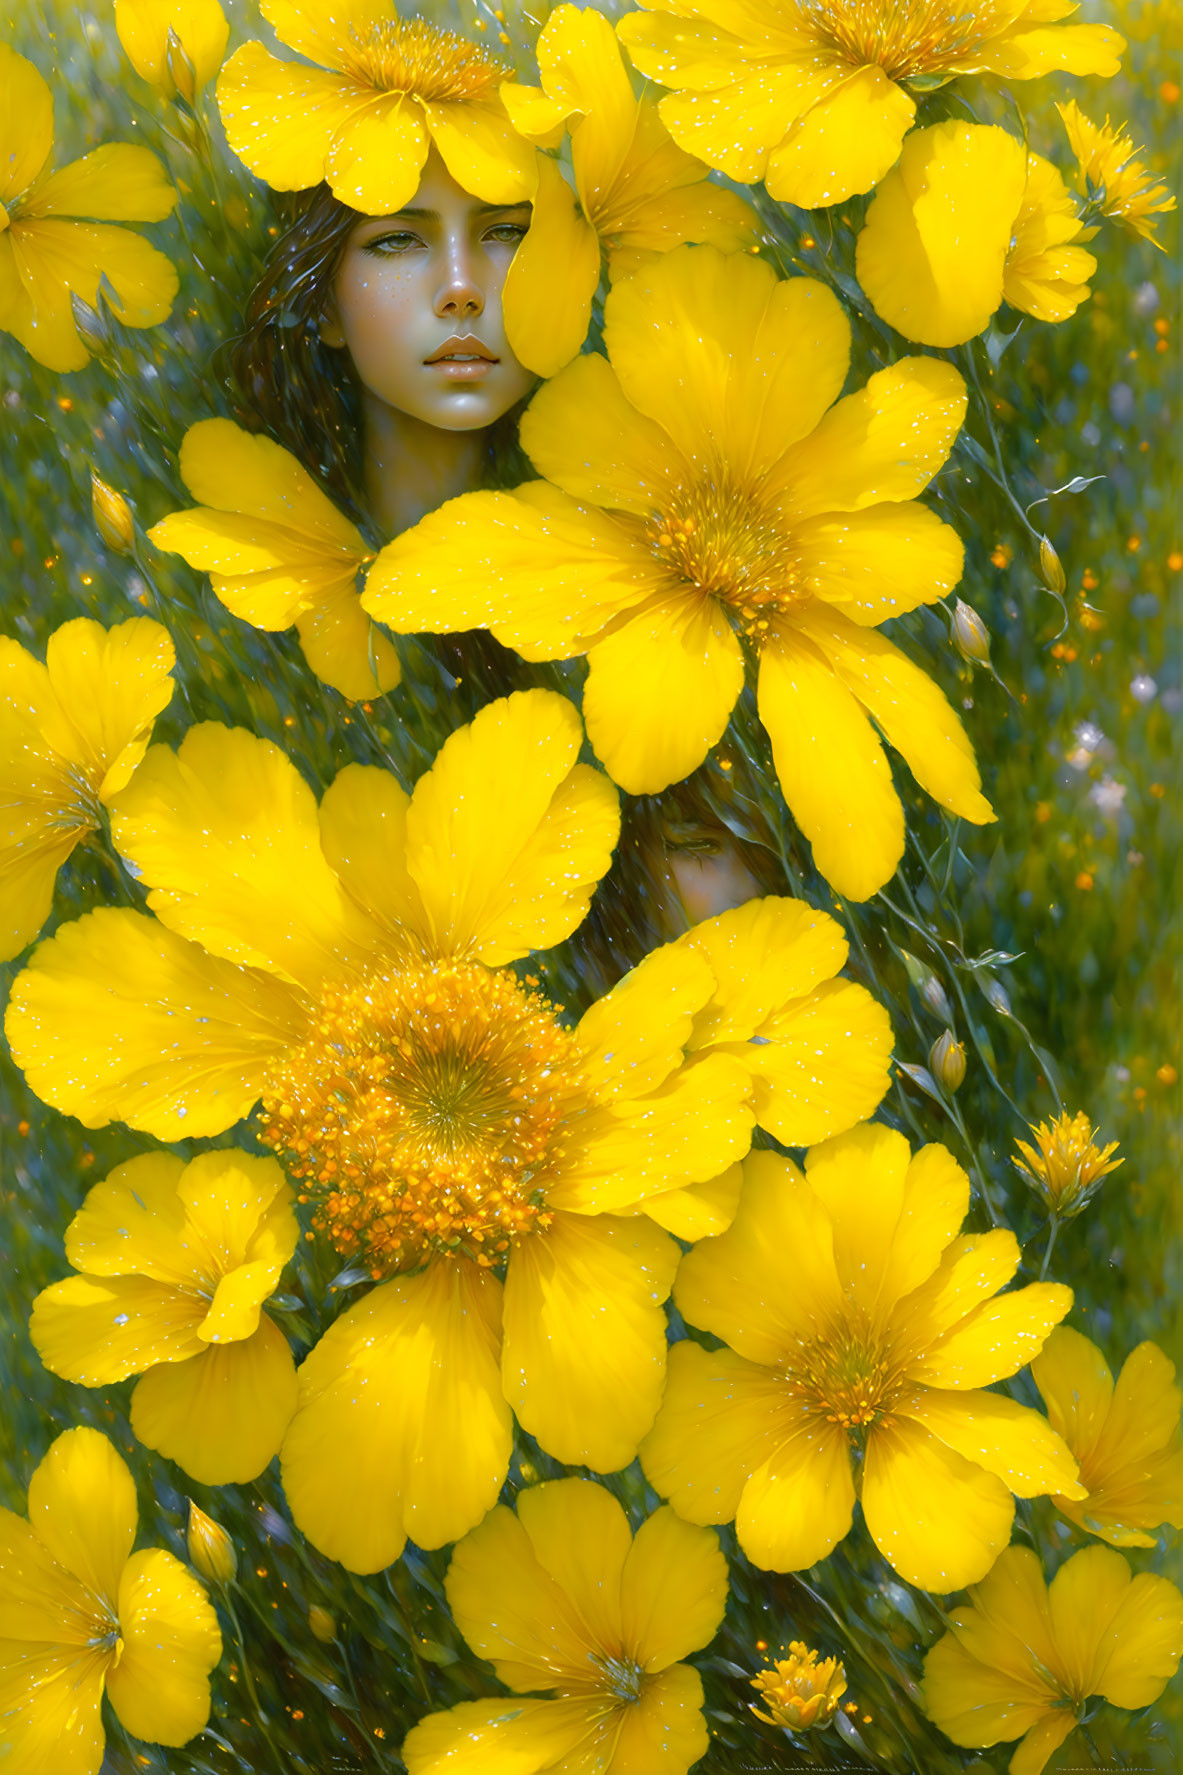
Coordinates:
1110 174
81 1614
348 966
697 486
799 1692
1068 1169
46 255
562 1597
71 733
386 89
1024 1657
635 193
175 1264
862 1333
815 99
198 28
278 552
966 219
1126 1439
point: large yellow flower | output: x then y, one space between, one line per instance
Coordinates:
1110 174
1126 1438
347 966
152 33
816 98
81 1614
1025 1656
71 733
364 119
46 254
861 1334
636 192
278 552
563 1597
966 219
699 495
176 1263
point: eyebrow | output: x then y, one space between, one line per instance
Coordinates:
482 209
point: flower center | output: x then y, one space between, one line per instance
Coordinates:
845 1379
908 39
712 538
413 56
420 1112
623 1676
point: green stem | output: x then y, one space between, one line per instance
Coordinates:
1053 1227
248 1678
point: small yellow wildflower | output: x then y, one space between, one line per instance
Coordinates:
72 731
635 190
798 1692
386 89
278 553
1068 1168
562 1597
1111 174
153 31
47 254
1023 1658
84 1616
210 1548
1126 1438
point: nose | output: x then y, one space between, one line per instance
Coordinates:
459 295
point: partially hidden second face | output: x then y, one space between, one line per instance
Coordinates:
417 304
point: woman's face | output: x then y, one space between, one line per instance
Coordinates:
417 305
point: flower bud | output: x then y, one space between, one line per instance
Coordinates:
971 637
90 325
1065 1167
1051 567
322 1625
946 1059
180 69
112 516
799 1692
211 1550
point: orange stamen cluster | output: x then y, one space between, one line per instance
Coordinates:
420 1112
426 61
908 39
848 1379
715 540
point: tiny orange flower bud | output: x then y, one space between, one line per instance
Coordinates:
112 516
946 1060
210 1548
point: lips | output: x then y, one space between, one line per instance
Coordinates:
463 350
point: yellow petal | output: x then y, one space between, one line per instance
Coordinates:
51 1703
879 562
971 1269
134 1222
844 144
884 442
721 1419
1143 1642
26 123
673 1591
117 1019
1025 54
324 30
507 1737
282 119
507 835
583 1363
363 832
239 1211
733 364
143 27
225 833
1076 1386
975 1704
401 1430
96 1330
700 1210
860 1178
58 259
822 1064
933 249
1144 1414
160 1686
939 1519
376 157
905 703
633 1038
220 1416
999 1434
799 1504
533 114
1041 1742
40 817
233 1313
109 685
583 434
345 650
117 183
1084 1597
82 1507
996 1339
665 1732
660 691
510 1607
698 212
768 1282
734 127
581 65
231 470
1009 1628
831 767
547 298
482 151
580 1536
39 1600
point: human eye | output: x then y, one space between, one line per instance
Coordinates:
389 245
507 231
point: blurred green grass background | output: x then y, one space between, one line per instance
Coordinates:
1078 881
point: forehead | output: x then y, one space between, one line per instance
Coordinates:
440 197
